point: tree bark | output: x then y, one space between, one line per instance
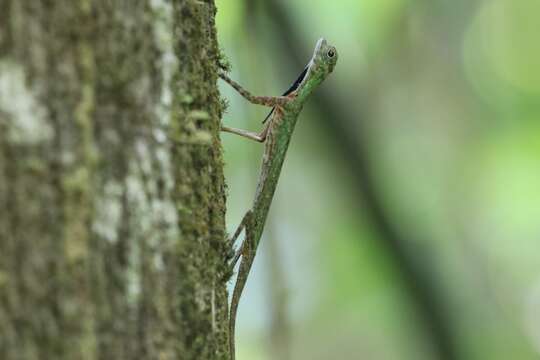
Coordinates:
112 233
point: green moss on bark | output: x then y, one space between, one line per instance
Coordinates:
112 245
199 191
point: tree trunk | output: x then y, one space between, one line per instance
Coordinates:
112 234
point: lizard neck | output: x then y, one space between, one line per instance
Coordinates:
308 87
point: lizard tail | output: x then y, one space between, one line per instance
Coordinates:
243 272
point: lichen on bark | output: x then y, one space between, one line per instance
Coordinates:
112 242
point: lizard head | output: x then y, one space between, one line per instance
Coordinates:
324 57
322 63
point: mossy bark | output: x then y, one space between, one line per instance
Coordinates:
199 191
112 240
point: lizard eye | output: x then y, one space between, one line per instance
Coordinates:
331 53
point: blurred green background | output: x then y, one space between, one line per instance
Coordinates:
406 222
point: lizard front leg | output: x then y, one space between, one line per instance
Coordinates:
270 101
259 137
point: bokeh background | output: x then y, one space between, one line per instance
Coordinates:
406 222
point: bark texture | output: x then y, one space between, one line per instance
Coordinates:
112 242
199 191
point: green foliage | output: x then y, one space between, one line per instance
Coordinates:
445 96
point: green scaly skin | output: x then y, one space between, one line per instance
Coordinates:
277 136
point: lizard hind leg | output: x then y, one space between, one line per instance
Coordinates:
243 225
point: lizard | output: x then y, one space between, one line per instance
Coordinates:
276 135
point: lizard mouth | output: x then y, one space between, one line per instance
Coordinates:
320 44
